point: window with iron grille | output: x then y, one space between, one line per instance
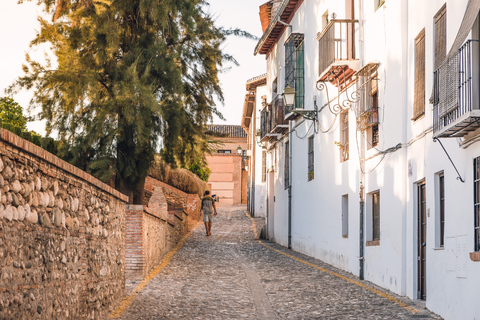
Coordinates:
376 215
441 198
476 187
311 159
419 90
264 166
344 141
294 67
286 172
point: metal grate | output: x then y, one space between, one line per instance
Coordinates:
476 189
311 159
452 95
294 67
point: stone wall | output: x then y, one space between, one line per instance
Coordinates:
61 237
155 229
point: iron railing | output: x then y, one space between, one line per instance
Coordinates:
452 88
368 117
336 42
278 112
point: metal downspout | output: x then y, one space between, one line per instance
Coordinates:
290 140
362 161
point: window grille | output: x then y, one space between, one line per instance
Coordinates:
376 216
311 159
294 67
264 166
286 172
419 91
476 187
344 141
367 87
441 185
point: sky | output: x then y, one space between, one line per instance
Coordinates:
18 25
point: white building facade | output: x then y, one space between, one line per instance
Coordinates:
375 167
255 96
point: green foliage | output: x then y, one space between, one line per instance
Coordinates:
201 170
12 113
127 73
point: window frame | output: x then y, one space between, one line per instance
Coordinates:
344 136
295 67
476 203
286 172
264 166
311 158
419 81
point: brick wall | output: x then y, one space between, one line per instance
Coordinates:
61 237
155 229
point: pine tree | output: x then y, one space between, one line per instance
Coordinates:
127 74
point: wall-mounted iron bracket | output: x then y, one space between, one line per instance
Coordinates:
459 176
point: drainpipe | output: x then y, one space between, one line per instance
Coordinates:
362 160
290 170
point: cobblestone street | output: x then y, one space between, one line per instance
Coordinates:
231 275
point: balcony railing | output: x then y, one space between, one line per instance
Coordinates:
455 102
337 47
278 122
368 118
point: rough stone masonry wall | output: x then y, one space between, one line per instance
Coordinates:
61 237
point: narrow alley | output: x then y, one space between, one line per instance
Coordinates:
232 275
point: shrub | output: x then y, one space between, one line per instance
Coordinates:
181 179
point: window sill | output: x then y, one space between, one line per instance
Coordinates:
439 248
373 243
475 256
345 236
418 117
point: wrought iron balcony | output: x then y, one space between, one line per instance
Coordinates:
368 118
337 47
279 124
456 110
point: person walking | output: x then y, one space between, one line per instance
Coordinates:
208 208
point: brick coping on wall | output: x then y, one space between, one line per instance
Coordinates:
12 139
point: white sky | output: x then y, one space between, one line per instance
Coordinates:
18 25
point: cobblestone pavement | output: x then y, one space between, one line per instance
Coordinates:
230 275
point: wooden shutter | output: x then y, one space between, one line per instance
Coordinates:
440 36
419 91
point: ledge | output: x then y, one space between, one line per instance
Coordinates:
373 243
30 148
475 256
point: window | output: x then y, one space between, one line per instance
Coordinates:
224 151
345 216
294 67
311 159
373 219
440 36
419 90
476 187
344 142
264 166
372 136
286 172
367 117
376 216
440 212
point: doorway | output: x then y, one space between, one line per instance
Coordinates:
421 242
